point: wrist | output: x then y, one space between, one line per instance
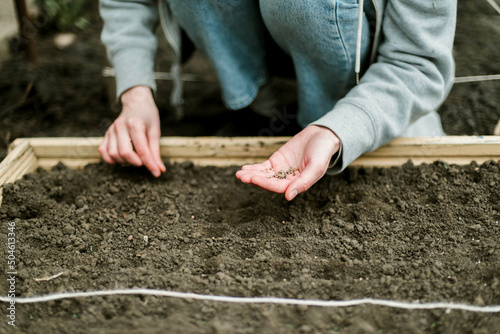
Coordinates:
327 132
332 142
137 94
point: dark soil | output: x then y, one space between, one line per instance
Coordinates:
69 98
427 233
474 108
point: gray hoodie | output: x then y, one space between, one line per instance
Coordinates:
410 74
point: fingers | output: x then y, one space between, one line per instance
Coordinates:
113 147
309 176
271 184
244 176
265 178
103 149
247 172
121 139
154 146
125 148
247 176
138 135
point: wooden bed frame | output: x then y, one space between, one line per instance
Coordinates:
28 154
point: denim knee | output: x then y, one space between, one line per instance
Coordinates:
230 33
321 28
320 36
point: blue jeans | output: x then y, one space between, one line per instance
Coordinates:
318 35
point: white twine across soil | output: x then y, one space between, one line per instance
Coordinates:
259 300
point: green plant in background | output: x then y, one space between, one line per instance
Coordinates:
63 14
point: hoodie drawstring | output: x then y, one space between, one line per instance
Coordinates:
172 33
357 67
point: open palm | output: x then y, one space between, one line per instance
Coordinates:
297 165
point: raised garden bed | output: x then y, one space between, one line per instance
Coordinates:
426 233
414 233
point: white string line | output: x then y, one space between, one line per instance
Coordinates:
477 78
259 300
494 5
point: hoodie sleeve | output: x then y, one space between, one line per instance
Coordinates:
130 40
412 75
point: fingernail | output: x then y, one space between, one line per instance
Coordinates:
156 173
293 194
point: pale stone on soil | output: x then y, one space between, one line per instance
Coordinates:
64 40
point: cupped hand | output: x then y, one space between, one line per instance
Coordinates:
134 137
309 152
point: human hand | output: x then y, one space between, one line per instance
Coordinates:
134 137
310 152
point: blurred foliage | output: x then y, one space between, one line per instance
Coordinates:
63 14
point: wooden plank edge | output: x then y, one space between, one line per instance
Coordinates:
29 165
217 151
164 141
26 164
262 147
173 147
94 142
22 157
398 161
16 143
20 161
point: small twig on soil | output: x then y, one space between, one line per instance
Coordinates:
49 278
